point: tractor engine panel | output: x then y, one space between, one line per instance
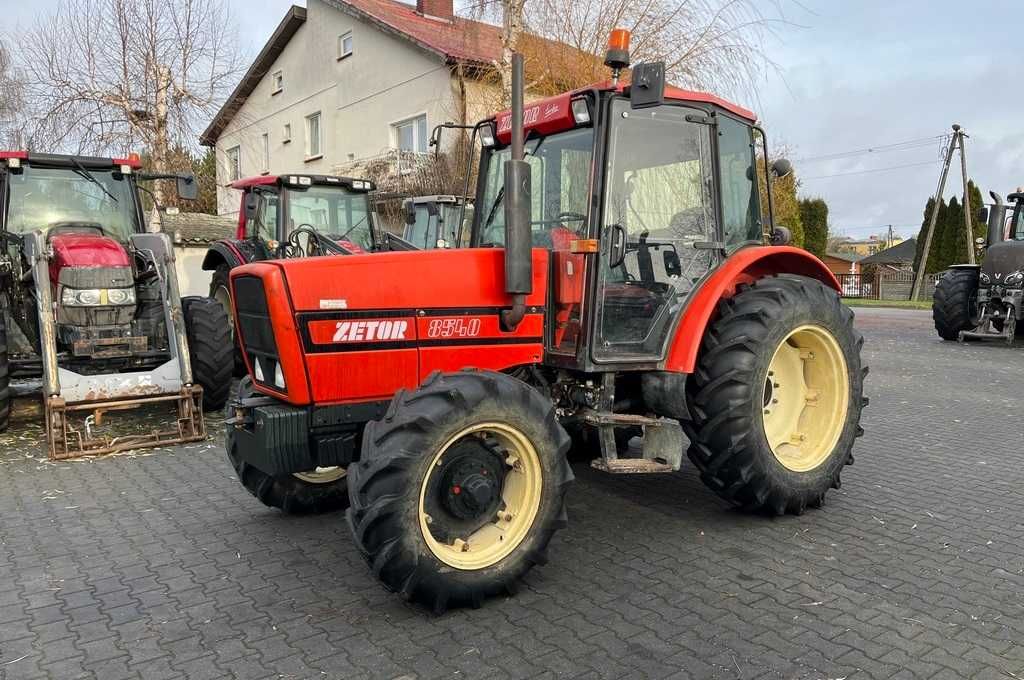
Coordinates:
359 328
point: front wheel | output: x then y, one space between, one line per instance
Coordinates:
776 397
459 488
955 303
209 348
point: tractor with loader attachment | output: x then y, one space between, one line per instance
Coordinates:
986 301
619 279
90 313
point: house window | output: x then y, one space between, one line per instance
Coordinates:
411 135
344 45
313 148
266 152
234 159
286 133
277 80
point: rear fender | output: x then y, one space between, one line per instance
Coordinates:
223 252
744 266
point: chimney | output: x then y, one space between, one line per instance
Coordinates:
442 9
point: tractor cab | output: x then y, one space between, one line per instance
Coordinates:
436 221
637 198
305 215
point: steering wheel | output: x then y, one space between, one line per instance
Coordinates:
294 247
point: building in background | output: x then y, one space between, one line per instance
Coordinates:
341 83
192 234
842 263
865 246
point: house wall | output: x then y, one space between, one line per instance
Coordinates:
188 263
385 80
839 266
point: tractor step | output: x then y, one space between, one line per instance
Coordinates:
599 418
631 466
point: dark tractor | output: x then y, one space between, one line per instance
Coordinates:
90 313
984 302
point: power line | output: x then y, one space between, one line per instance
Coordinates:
872 170
880 148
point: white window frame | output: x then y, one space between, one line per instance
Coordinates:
276 82
342 52
286 132
396 135
311 153
265 152
233 162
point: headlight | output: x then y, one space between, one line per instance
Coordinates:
985 279
1015 279
97 297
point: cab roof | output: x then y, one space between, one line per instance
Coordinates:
68 160
300 178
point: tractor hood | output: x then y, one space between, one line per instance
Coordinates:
1001 261
85 250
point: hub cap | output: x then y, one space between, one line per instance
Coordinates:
480 496
806 398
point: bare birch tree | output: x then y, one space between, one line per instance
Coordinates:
10 101
111 75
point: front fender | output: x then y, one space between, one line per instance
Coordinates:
744 266
223 252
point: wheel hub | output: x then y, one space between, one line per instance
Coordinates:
465 493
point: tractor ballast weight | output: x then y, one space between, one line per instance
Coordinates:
627 294
91 312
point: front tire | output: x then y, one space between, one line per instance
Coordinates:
209 348
305 493
459 488
777 395
954 303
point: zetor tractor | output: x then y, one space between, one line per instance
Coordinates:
89 304
986 301
617 282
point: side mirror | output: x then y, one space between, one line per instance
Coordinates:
410 212
188 190
673 268
782 168
781 236
252 204
979 243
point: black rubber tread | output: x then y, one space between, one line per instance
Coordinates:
727 442
951 302
284 492
5 376
209 348
397 453
222 277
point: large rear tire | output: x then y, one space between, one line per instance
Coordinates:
459 488
209 348
220 290
776 397
954 303
5 375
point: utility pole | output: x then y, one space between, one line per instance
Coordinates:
915 291
967 199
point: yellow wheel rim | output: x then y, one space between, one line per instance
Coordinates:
520 496
806 398
322 475
222 296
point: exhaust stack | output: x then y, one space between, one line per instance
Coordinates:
518 245
996 219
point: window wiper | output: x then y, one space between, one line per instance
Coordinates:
501 192
351 229
85 174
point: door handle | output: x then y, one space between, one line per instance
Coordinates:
617 252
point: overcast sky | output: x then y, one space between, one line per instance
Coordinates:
853 75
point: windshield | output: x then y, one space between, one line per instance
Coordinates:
335 212
1016 230
560 176
44 198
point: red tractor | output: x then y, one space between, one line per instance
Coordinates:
619 282
90 313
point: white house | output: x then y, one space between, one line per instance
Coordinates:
344 80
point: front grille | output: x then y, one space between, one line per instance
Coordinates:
256 334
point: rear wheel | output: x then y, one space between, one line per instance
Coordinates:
303 493
5 376
955 303
777 395
459 488
209 348
220 290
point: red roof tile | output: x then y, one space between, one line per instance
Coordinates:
459 39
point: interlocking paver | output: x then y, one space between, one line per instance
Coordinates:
162 566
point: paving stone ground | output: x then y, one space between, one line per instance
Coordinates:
162 566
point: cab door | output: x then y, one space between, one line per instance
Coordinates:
659 229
